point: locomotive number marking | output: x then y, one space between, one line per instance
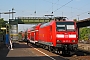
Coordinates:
66 36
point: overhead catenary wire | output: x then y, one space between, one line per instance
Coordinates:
63 5
53 3
58 4
71 8
80 14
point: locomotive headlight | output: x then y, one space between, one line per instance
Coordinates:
60 36
73 40
58 41
72 36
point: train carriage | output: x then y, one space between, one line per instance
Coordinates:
34 33
36 36
28 35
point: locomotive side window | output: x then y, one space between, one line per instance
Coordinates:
63 26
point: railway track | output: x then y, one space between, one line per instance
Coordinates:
79 55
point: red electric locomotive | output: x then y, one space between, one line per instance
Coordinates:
59 35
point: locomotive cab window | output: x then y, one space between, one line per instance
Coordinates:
63 26
60 27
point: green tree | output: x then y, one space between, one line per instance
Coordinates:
2 24
84 33
75 20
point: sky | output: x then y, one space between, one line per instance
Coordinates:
72 9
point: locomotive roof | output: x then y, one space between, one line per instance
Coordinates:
60 18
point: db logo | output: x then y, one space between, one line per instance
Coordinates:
66 36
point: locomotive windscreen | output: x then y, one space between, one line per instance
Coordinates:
65 26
